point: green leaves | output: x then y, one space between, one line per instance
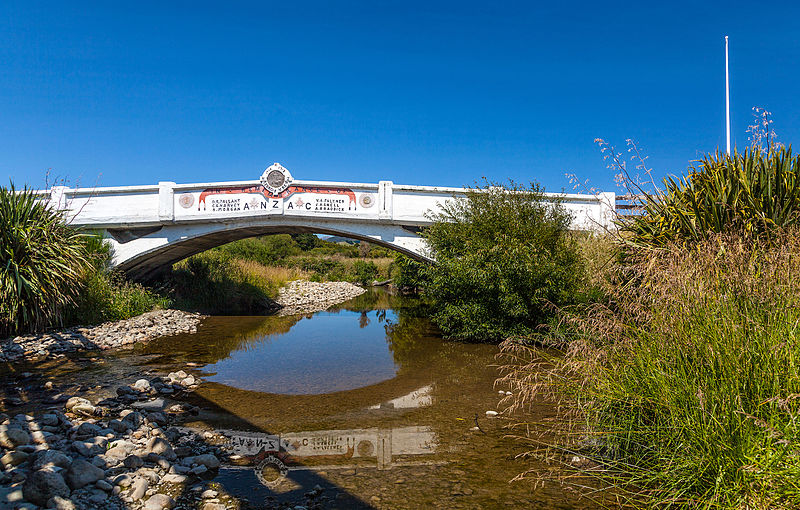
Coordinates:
504 259
41 262
757 192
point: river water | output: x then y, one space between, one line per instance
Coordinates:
364 402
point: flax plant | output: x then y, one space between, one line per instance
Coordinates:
41 262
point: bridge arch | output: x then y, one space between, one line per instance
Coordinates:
153 226
143 257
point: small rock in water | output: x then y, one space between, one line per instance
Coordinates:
491 413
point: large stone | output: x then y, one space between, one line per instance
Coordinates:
73 401
82 473
13 458
59 503
50 458
43 485
87 429
90 448
133 462
161 446
11 437
49 420
139 488
84 409
207 459
159 502
133 420
142 385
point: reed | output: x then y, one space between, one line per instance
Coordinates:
683 388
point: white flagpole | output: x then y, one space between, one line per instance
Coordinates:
727 100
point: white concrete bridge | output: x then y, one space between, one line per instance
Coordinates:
151 227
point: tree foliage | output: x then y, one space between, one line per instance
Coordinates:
504 258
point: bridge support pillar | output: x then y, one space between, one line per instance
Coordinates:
385 200
166 201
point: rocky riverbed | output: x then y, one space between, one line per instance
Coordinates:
302 296
108 335
119 453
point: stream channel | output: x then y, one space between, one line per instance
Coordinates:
364 402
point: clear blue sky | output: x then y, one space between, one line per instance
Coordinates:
437 93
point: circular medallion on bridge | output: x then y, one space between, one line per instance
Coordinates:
276 178
186 200
366 200
271 471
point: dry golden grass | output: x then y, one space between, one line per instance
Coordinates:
275 275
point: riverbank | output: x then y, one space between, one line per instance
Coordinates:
302 296
121 452
296 297
109 335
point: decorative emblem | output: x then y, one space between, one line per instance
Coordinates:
271 471
276 178
366 201
186 200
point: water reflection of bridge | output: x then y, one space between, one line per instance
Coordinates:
326 450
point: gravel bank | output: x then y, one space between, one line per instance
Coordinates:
109 335
302 296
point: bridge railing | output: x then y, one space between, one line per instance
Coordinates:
168 202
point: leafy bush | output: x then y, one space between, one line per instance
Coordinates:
306 241
757 192
364 272
41 263
504 258
107 296
267 250
407 274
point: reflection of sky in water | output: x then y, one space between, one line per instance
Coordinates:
332 352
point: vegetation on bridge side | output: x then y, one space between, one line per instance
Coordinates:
52 275
243 277
679 387
505 262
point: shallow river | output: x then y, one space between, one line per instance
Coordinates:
364 400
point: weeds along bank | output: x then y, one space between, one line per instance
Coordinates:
680 386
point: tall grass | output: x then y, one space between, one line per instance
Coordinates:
685 389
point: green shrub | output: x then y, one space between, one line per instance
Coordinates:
757 192
107 296
504 259
407 274
687 385
41 263
364 272
306 241
266 250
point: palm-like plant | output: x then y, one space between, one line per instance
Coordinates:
41 262
756 191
